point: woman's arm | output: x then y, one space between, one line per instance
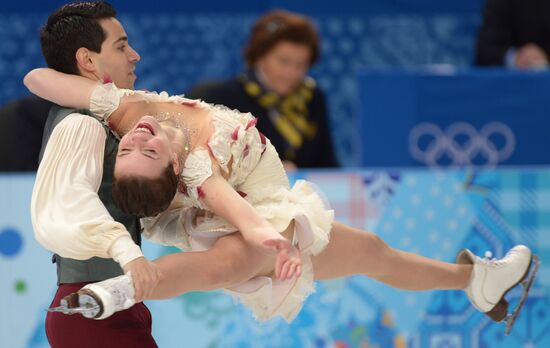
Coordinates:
74 91
67 90
224 201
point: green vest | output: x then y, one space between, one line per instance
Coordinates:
96 268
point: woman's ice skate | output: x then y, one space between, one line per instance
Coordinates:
99 300
491 279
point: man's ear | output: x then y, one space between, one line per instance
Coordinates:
85 61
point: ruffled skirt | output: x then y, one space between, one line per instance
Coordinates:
267 189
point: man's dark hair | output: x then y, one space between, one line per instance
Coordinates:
141 196
73 26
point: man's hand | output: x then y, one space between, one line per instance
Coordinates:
145 274
531 56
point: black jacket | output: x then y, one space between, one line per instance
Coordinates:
317 152
21 127
512 24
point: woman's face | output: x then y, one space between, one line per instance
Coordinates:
285 66
146 150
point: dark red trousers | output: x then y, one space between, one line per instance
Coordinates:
128 328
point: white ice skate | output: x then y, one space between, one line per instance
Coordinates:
491 279
100 300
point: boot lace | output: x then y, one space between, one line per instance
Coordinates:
490 261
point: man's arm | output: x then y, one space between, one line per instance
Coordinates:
67 215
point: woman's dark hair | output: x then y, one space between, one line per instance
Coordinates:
73 26
277 26
141 196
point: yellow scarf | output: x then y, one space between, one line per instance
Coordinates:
289 114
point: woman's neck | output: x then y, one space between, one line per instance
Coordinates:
263 79
125 117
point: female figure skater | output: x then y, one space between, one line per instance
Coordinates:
197 172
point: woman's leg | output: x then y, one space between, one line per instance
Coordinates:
352 251
229 262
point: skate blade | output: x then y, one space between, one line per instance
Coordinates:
526 284
74 310
82 303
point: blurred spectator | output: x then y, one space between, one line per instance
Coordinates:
290 107
21 126
515 33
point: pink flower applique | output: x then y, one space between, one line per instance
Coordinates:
246 150
235 134
189 102
251 123
200 192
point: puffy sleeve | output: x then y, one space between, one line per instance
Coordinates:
105 99
67 215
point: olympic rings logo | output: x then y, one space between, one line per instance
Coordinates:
461 144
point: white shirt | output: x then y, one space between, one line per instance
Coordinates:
67 215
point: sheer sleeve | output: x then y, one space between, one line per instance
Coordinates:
167 228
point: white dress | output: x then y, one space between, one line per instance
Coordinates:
257 174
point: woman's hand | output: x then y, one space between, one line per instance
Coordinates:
288 263
222 199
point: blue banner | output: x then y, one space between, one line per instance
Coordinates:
446 117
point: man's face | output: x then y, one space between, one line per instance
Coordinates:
117 60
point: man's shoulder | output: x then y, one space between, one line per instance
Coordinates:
57 111
59 114
62 119
77 118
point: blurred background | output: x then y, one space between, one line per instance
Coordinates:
438 114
